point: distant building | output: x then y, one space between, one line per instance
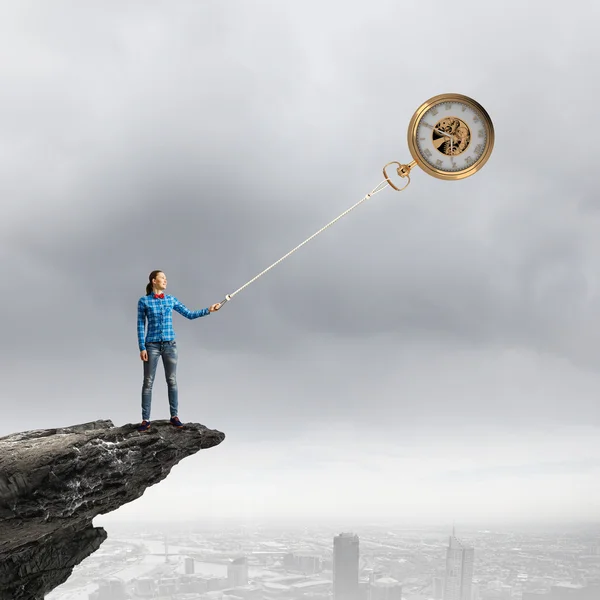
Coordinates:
145 586
438 588
110 589
460 558
189 566
345 567
305 562
237 572
386 588
289 560
167 586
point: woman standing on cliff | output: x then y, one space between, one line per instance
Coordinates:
157 308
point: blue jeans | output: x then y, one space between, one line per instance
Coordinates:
168 351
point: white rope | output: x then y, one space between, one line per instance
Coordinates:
374 191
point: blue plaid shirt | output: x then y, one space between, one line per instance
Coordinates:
159 313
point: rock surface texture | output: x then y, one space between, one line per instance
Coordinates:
53 482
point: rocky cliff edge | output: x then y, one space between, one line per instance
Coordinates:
53 482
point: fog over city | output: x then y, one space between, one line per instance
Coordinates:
202 561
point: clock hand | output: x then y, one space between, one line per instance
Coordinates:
437 143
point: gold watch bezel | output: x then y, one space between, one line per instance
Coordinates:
412 137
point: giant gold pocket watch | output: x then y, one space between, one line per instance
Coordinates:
450 136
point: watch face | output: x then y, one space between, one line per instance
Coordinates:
451 136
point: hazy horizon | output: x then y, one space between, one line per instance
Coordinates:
356 523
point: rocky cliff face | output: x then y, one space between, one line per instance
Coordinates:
53 482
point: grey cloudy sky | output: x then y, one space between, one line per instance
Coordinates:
438 343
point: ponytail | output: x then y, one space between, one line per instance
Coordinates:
150 278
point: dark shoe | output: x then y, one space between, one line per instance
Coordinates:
144 426
175 421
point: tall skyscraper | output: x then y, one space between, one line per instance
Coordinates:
345 567
459 570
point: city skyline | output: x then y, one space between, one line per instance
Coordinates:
377 564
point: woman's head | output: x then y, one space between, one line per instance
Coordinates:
156 281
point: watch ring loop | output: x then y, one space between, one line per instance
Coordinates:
402 170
